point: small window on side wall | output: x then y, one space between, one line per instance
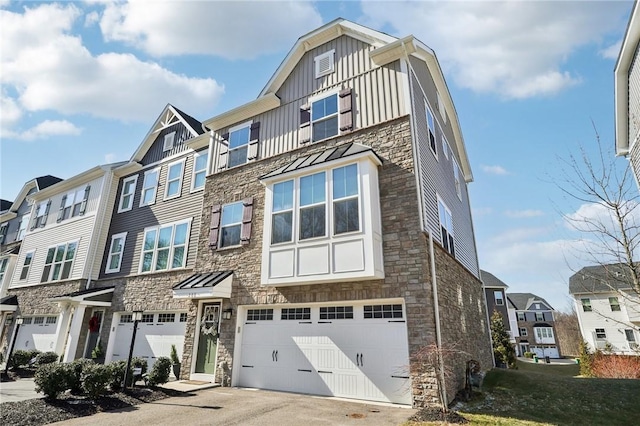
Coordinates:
231 224
498 297
168 141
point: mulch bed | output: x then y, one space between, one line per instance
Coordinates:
434 414
40 411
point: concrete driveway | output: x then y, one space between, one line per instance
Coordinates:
233 406
18 390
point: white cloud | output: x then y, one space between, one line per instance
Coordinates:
50 69
91 18
110 158
612 51
515 49
519 214
46 129
494 170
233 30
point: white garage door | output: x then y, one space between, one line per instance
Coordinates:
349 350
37 333
156 333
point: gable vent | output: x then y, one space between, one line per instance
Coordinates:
324 63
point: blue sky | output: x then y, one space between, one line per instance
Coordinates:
82 82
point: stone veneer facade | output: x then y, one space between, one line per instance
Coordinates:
406 262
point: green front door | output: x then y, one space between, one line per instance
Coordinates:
208 341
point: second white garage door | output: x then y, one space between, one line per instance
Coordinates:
349 350
37 333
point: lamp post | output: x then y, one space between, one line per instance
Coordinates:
137 316
19 321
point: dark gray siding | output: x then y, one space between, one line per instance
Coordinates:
437 171
134 221
14 224
155 153
531 316
491 305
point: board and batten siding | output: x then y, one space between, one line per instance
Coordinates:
103 217
437 180
378 95
79 230
634 104
14 224
134 221
155 153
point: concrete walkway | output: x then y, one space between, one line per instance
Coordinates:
553 361
239 406
19 390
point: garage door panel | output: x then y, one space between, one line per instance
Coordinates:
36 336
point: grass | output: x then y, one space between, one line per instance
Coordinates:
541 394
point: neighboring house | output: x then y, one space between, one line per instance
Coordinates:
495 296
535 325
335 204
627 94
608 309
152 239
14 223
59 256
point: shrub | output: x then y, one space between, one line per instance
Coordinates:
116 374
46 358
20 358
586 359
51 379
174 355
160 371
74 374
616 366
95 378
528 354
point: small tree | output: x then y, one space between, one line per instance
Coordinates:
586 360
503 352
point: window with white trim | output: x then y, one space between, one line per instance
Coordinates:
149 186
497 295
324 64
259 314
586 305
199 170
336 312
22 229
42 212
539 316
614 304
313 206
3 268
114 260
523 331
58 263
147 318
431 128
456 179
282 212
231 224
165 317
521 316
600 334
126 318
173 186
324 118
28 258
3 232
165 247
346 199
445 145
630 335
127 193
446 227
169 139
544 333
295 314
183 317
238 144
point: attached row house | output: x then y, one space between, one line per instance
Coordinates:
535 331
313 240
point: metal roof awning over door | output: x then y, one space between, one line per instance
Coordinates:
92 297
205 285
9 304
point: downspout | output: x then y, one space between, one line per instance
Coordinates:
436 311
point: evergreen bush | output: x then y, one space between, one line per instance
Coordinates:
160 371
51 379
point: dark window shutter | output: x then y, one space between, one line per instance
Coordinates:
34 220
61 210
254 140
83 206
46 214
305 124
247 215
3 232
224 152
215 225
346 111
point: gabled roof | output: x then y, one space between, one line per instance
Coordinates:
169 116
523 301
491 281
600 279
386 49
74 181
621 80
5 205
46 181
38 183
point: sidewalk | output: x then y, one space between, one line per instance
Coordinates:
552 361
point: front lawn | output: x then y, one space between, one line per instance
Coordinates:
541 394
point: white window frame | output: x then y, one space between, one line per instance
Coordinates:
441 108
445 144
123 236
428 113
330 55
524 316
24 225
3 269
168 181
62 262
456 179
171 246
235 129
149 188
523 331
28 255
544 333
40 212
313 205
446 226
603 333
169 140
132 194
586 305
196 171
312 122
614 305
539 316
499 299
231 225
628 332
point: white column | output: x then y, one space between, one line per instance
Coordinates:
62 328
74 333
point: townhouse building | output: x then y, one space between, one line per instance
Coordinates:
496 299
608 308
535 325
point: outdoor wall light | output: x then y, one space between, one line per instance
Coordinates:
226 314
137 316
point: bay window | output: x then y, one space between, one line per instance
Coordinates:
165 247
312 206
